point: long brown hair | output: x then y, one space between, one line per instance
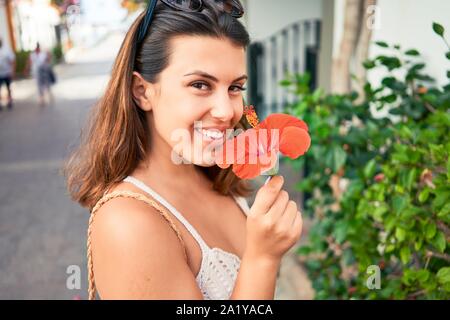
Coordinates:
117 135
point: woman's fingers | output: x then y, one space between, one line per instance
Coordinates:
289 216
279 206
266 195
298 225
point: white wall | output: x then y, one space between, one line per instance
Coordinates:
265 17
104 12
408 23
37 20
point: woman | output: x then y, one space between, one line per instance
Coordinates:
165 229
7 71
40 64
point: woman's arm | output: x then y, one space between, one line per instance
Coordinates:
256 279
273 226
136 254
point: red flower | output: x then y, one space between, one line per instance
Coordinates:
379 177
256 150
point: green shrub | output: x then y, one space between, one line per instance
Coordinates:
57 54
378 186
21 62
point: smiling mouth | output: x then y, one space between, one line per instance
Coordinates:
211 134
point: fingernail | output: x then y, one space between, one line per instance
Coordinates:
267 180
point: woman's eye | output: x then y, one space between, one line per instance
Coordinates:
238 88
199 85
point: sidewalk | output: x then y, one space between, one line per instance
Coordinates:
42 231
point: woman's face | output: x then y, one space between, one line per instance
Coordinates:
198 96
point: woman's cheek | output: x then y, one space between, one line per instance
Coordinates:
239 112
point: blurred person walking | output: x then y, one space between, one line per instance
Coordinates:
7 71
41 70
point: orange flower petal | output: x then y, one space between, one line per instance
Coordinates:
281 121
247 171
273 162
294 142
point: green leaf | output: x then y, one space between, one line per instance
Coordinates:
389 98
423 195
305 185
439 241
390 248
438 29
285 83
390 62
448 160
393 83
304 250
317 94
430 230
379 212
445 211
422 275
448 55
411 178
340 231
408 276
405 255
300 108
382 44
399 203
369 64
400 234
412 52
369 169
442 197
443 275
336 158
416 67
418 244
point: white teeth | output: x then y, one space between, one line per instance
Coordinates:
212 134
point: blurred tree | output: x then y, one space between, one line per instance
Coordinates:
353 48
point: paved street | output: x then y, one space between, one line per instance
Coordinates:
41 231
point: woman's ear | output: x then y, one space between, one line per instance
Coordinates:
141 91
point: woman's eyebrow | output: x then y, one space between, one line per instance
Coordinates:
209 76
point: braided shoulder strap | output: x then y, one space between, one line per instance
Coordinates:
102 201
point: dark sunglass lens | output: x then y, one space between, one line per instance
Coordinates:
232 7
186 5
195 5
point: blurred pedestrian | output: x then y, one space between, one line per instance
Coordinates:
41 70
7 71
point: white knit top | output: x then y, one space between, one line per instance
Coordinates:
218 268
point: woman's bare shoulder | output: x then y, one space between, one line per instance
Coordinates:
134 249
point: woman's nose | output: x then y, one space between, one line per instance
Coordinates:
223 108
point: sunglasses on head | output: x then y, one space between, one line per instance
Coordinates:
232 7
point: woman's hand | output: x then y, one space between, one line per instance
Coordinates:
274 223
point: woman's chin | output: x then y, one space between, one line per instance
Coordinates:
201 158
207 159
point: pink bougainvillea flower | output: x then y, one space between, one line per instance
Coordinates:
256 150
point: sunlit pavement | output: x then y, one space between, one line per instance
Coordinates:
42 231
